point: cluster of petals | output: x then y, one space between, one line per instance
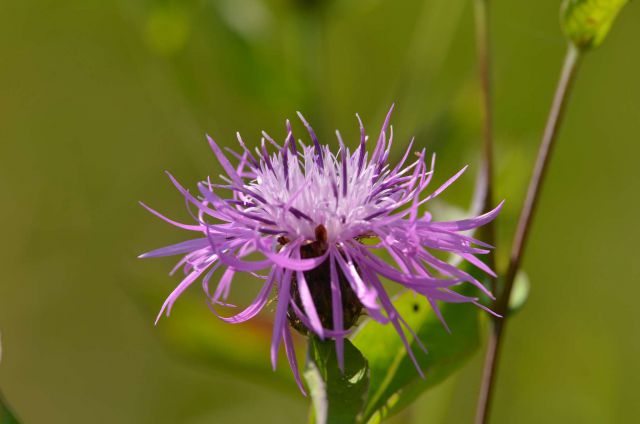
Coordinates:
285 191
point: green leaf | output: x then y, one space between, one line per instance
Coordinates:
587 22
6 417
395 381
519 292
338 398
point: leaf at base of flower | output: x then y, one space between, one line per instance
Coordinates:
395 381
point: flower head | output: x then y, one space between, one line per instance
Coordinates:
306 211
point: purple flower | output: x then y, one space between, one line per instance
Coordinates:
304 213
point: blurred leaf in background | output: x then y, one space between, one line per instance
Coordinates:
196 335
168 28
6 416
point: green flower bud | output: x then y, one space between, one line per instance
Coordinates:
587 22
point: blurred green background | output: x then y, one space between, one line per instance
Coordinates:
97 98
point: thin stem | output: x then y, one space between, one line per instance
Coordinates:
489 372
567 77
485 182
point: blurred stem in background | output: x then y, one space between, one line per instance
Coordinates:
430 44
501 306
484 193
310 28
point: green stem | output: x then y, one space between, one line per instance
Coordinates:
556 114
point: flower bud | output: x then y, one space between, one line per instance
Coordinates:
587 22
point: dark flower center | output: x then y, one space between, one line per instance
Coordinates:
319 283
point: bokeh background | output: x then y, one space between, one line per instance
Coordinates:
97 98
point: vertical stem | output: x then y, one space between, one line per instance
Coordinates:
489 372
485 181
567 77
